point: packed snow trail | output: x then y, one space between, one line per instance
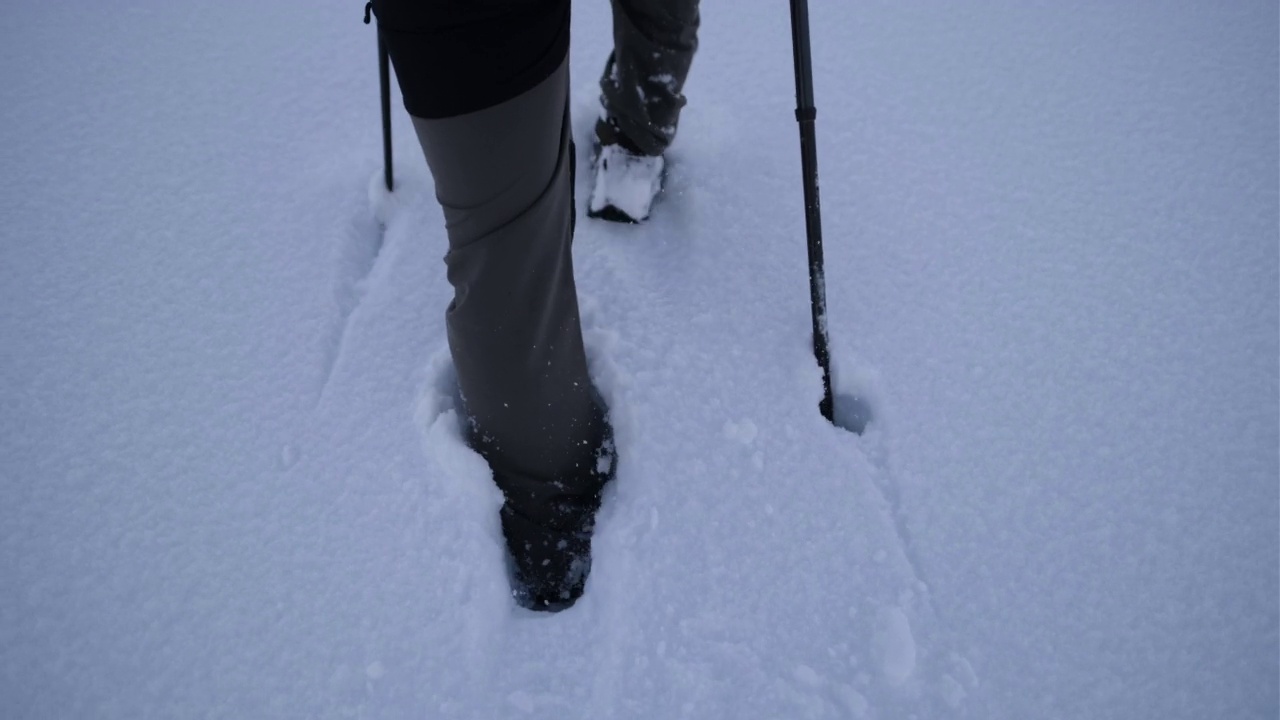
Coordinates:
233 483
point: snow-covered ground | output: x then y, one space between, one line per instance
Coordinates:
231 479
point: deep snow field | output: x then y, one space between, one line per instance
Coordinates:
232 483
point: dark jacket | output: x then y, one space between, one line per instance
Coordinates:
457 56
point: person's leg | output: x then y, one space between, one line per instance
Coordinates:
503 176
641 89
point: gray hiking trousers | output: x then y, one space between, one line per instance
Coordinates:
641 89
504 177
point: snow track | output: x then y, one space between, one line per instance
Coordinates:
711 576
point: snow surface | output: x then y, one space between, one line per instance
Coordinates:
232 483
625 182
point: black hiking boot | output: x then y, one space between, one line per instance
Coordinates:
551 554
625 180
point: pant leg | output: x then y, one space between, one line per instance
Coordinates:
503 176
654 43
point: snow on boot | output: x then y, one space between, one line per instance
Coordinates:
626 181
549 565
550 547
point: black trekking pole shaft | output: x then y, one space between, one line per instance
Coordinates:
806 114
384 80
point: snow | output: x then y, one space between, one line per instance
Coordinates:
895 646
232 482
625 182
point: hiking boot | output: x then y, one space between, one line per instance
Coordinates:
551 553
625 180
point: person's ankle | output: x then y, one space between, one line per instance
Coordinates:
609 133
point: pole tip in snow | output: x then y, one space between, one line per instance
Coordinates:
852 413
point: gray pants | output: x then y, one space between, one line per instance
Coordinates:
654 42
503 176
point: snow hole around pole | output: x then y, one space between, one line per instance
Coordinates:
851 412
854 392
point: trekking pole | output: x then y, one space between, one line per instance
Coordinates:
384 79
805 116
384 82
